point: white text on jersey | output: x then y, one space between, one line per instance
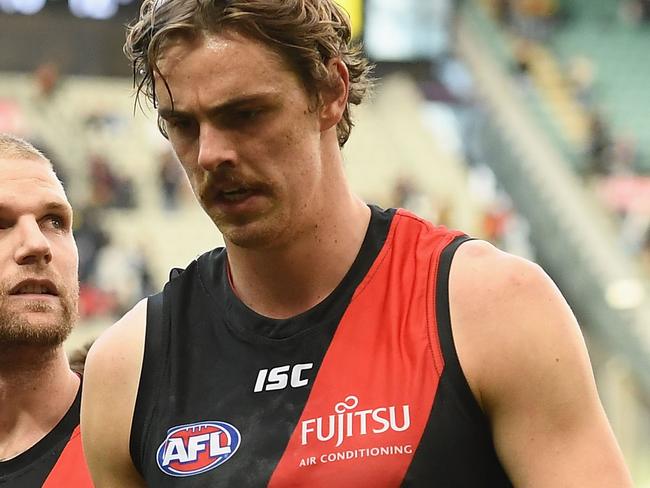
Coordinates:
282 376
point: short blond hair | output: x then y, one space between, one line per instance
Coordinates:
12 147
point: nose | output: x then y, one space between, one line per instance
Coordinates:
33 246
215 148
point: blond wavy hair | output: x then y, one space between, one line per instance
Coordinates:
306 33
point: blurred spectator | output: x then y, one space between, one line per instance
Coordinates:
506 229
171 179
522 57
501 10
599 145
106 122
407 195
140 262
522 53
103 182
533 19
47 77
645 251
403 192
634 12
624 154
109 189
633 232
457 79
495 222
124 274
516 236
125 195
95 302
581 74
90 238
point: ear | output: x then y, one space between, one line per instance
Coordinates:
335 96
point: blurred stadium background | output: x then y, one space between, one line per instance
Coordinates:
523 122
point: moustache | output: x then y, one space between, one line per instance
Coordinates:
217 182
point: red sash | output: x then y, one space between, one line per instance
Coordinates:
70 471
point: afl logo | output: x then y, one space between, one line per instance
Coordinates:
196 448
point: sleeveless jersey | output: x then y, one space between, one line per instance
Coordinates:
56 461
363 390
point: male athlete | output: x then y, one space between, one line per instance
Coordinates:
330 343
40 442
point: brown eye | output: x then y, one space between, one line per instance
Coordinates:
56 222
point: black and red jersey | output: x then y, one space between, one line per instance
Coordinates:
56 461
363 390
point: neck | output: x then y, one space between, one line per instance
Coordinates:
36 390
288 279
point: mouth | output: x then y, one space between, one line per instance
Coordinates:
234 195
35 287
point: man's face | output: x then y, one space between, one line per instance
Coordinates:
243 129
38 257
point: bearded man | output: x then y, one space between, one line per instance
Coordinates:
40 442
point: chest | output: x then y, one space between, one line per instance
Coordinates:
345 401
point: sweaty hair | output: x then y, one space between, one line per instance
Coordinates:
306 33
12 147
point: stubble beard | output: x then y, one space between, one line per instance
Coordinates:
255 236
16 328
253 231
264 232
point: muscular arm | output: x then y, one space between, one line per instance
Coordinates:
525 360
110 385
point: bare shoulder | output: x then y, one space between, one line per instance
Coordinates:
111 380
508 314
486 273
487 282
115 350
525 359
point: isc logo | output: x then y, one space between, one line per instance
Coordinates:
278 378
196 448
